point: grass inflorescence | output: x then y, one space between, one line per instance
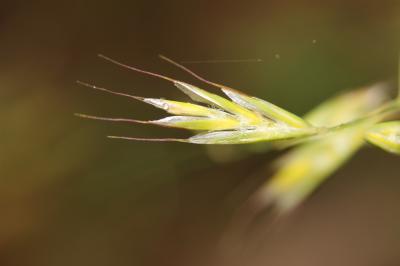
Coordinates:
324 139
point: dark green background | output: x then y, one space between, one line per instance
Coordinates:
69 196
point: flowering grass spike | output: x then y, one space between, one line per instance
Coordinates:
325 138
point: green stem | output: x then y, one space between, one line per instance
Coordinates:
381 113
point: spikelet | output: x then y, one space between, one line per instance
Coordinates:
386 136
305 167
237 120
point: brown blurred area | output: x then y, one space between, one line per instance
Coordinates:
69 196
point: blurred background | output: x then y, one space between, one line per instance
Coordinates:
70 196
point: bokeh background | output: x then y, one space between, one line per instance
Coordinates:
69 196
